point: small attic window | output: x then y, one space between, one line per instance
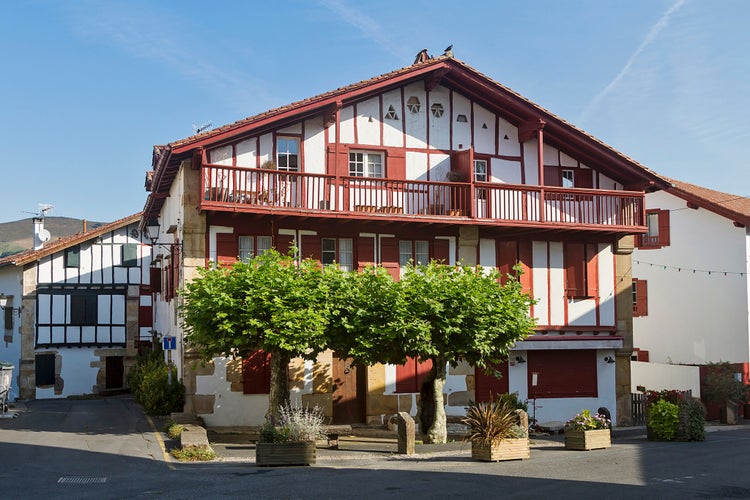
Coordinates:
391 114
413 104
437 110
462 119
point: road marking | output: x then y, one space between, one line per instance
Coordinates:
82 480
167 457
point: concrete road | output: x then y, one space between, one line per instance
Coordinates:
107 449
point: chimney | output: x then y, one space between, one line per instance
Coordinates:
84 225
41 235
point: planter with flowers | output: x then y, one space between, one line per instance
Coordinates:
497 431
588 432
291 439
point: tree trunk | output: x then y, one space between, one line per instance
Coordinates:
279 392
431 415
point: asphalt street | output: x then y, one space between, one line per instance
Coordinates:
107 448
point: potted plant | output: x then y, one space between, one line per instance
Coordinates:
291 439
497 431
588 432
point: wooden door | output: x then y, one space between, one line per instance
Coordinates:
487 385
114 374
349 390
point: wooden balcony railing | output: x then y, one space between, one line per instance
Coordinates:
245 189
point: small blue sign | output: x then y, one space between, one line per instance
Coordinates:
170 343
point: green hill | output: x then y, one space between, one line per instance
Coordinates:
17 236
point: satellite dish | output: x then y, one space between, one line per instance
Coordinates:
44 235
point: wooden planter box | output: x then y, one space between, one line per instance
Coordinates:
267 454
588 440
509 449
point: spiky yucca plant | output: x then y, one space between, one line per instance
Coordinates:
490 422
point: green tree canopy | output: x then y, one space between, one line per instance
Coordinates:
267 303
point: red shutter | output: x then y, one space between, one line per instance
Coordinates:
389 257
256 373
575 269
584 178
423 368
175 264
396 164
552 176
592 270
410 375
154 276
145 316
406 376
441 251
227 249
365 252
525 253
284 243
664 228
488 385
168 282
311 247
506 257
641 298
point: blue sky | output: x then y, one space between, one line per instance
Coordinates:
88 87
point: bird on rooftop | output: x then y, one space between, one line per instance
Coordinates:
449 51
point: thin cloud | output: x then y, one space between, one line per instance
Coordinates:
366 25
154 36
654 32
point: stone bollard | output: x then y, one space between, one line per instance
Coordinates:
405 433
522 419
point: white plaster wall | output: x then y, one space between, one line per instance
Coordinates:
487 257
76 373
461 130
416 166
221 155
315 147
484 138
416 123
694 318
266 148
10 351
247 153
368 121
230 408
551 155
531 162
295 128
440 165
506 171
346 117
539 278
440 131
565 160
556 284
509 146
606 285
393 134
659 376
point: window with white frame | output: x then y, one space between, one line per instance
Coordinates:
365 164
410 250
568 179
287 154
480 170
337 251
250 246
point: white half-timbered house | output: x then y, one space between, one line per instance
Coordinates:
435 160
690 287
82 306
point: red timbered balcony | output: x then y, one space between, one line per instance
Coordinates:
275 191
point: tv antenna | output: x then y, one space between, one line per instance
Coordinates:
43 209
202 127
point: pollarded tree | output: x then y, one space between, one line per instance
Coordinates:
267 303
437 312
459 313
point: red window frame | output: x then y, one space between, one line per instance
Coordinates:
662 239
581 270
